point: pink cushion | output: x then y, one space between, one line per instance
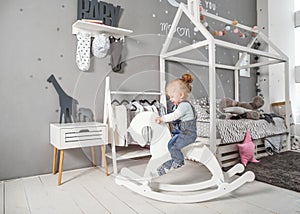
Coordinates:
246 150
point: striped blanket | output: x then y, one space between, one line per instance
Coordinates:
231 131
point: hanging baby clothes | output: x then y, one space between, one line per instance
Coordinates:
100 45
83 50
120 113
116 47
124 114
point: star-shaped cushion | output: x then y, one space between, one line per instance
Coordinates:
246 150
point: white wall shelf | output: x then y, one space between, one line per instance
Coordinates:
99 28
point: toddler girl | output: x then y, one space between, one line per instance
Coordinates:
184 120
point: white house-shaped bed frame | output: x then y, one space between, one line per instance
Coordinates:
192 11
198 152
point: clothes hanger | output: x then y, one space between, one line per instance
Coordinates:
124 102
115 101
153 102
145 101
132 106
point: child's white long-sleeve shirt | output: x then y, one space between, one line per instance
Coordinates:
183 111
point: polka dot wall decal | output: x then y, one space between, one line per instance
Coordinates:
166 12
153 15
39 59
63 6
57 29
60 78
61 55
46 87
21 9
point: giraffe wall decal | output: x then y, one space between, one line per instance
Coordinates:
68 105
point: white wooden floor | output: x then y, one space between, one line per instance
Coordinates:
89 191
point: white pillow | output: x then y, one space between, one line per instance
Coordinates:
236 110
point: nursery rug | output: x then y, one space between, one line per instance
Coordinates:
282 170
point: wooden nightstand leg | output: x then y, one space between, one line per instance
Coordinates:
54 160
93 156
61 160
104 159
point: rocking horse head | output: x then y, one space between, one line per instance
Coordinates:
143 130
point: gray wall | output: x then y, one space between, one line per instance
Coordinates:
36 41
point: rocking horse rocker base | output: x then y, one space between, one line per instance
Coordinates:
196 192
218 185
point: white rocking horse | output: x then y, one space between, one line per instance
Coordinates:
198 152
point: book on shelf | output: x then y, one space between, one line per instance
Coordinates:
93 21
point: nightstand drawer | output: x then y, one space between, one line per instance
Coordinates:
76 135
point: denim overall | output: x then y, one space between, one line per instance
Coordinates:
185 133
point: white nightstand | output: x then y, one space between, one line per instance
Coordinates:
77 135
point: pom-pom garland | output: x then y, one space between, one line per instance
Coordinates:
223 32
235 22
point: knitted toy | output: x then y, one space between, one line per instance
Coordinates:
248 110
256 103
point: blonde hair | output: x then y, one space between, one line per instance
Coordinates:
183 84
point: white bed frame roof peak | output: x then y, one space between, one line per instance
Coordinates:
192 11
